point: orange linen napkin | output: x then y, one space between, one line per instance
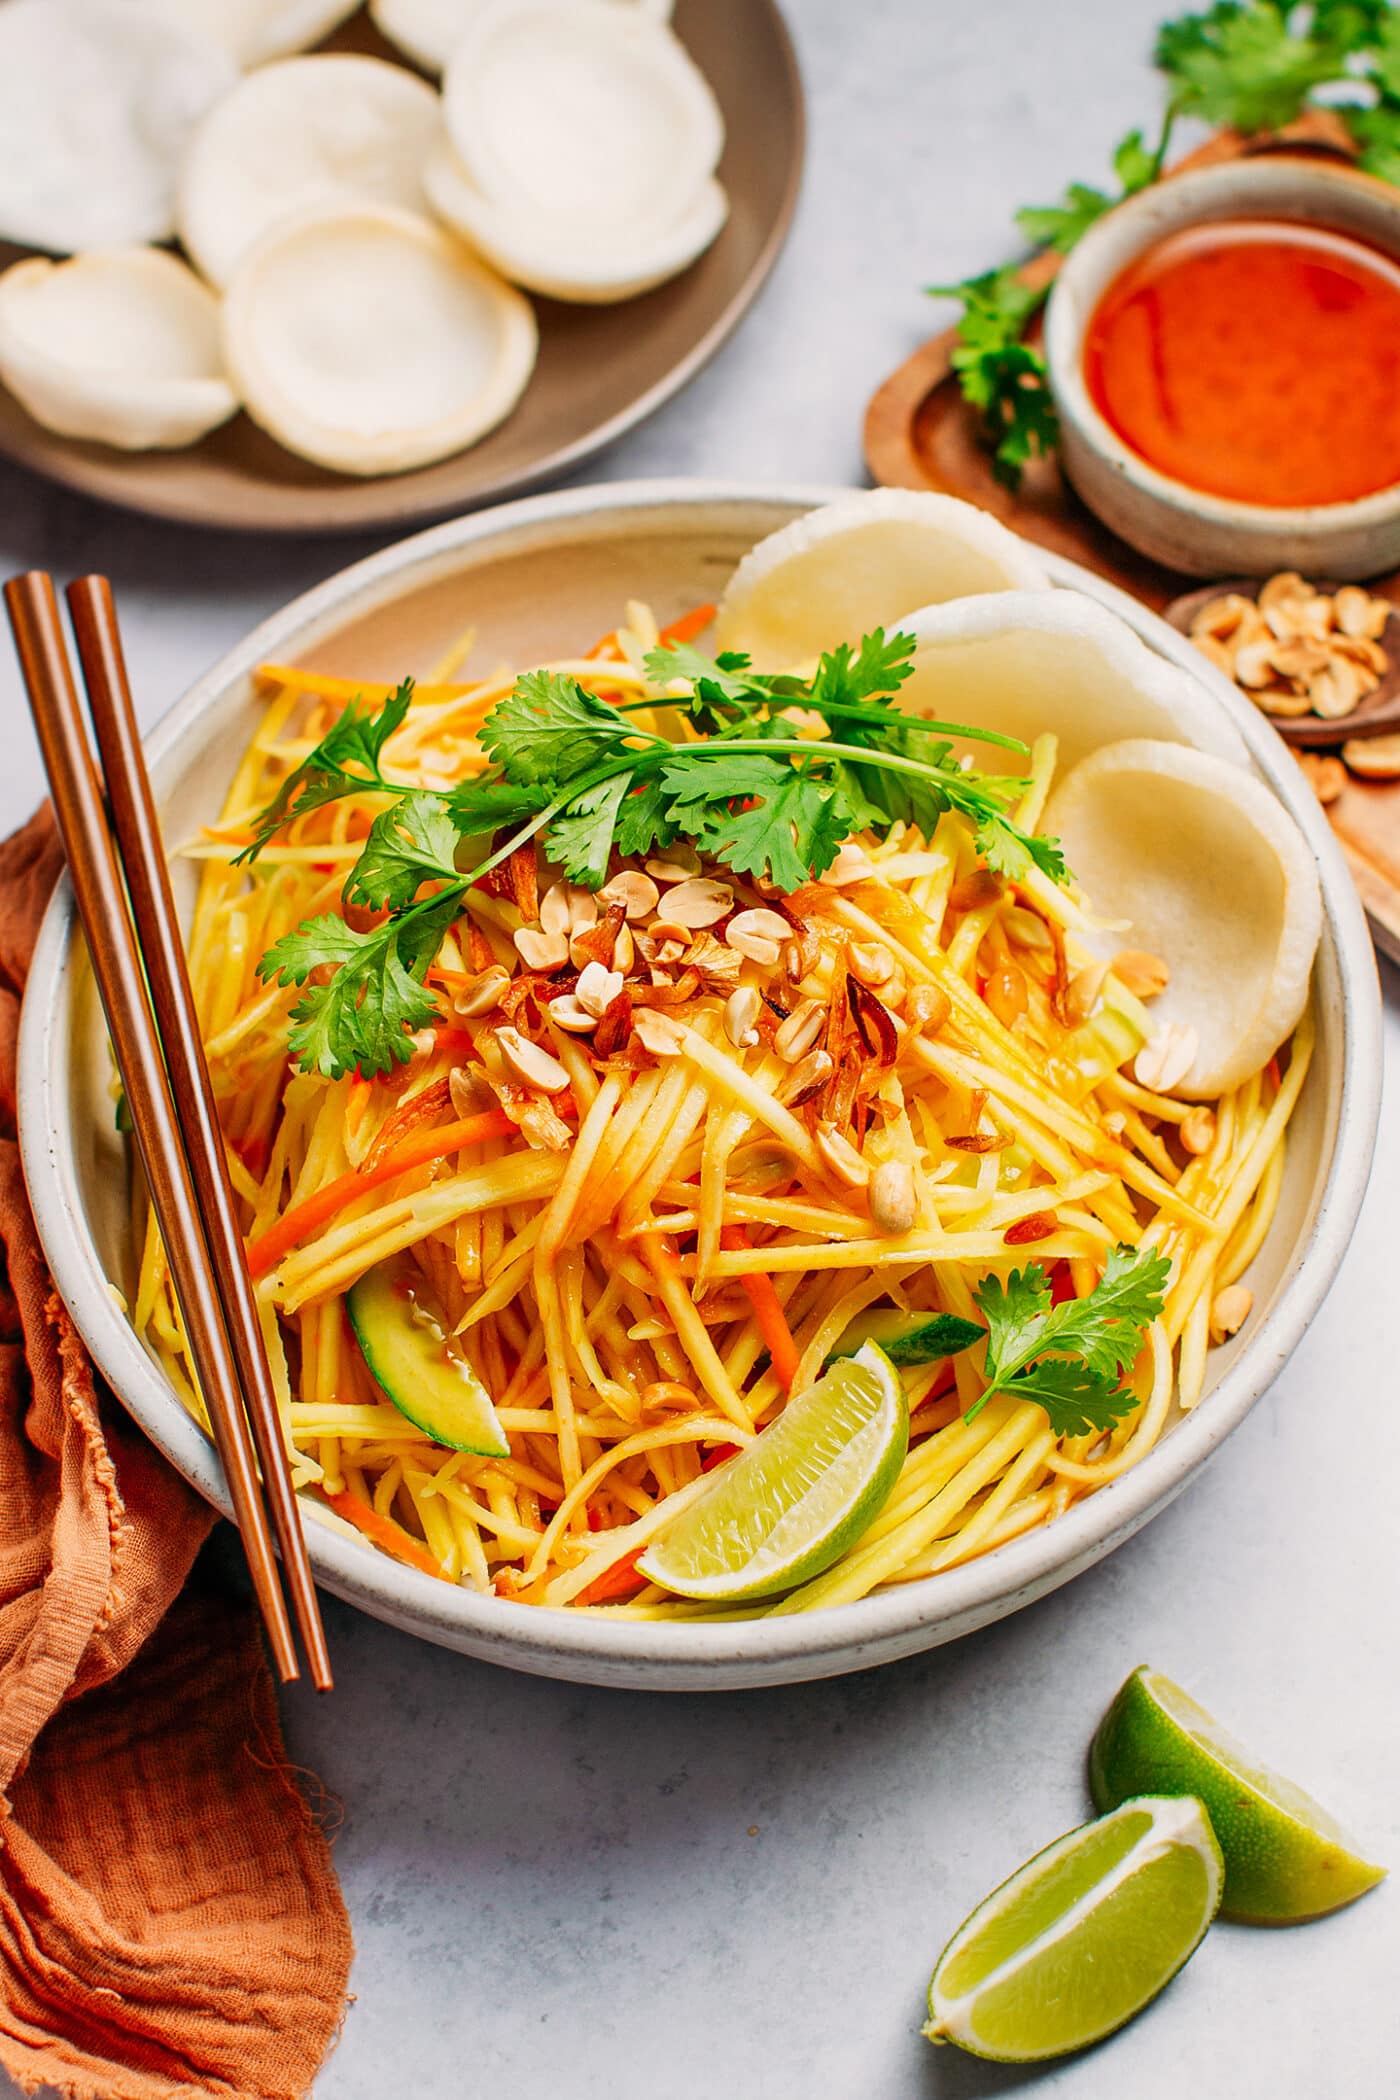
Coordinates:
170 1921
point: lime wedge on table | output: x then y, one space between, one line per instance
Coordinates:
798 1495
1285 1857
1082 1937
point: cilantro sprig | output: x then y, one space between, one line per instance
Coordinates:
345 762
1070 1358
1002 376
756 790
1250 65
780 772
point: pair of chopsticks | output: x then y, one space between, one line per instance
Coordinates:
117 866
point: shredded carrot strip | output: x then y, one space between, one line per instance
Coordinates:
267 1250
620 1580
767 1311
684 629
344 690
688 625
385 1533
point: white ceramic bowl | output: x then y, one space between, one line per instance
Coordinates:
1180 526
538 577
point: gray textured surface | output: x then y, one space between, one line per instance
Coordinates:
621 1898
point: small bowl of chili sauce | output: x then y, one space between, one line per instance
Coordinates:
1224 351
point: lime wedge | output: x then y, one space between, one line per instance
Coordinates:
798 1495
1082 1937
1285 1858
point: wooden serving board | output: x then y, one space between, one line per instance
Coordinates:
921 434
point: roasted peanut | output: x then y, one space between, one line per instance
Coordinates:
893 1199
1229 1310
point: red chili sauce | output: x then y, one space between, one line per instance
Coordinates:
1255 360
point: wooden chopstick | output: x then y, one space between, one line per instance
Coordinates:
99 894
142 854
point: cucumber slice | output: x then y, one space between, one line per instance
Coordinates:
910 1337
405 1347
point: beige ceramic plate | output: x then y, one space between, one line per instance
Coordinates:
537 576
601 368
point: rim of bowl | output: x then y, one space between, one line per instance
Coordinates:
842 1637
1109 247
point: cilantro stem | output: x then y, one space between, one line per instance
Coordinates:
864 754
882 717
924 724
1159 151
516 840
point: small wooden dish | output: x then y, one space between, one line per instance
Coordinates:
921 434
1374 715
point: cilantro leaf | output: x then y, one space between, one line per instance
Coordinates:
1000 375
1061 225
1012 388
1376 128
1075 1399
792 836
419 933
361 1021
1136 164
642 819
793 829
488 801
1384 67
723 688
1351 25
846 677
914 797
345 762
581 837
309 947
1016 1313
1241 64
671 660
1108 1323
362 1018
1009 851
412 843
865 812
1071 1357
1377 132
550 728
996 308
1022 419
